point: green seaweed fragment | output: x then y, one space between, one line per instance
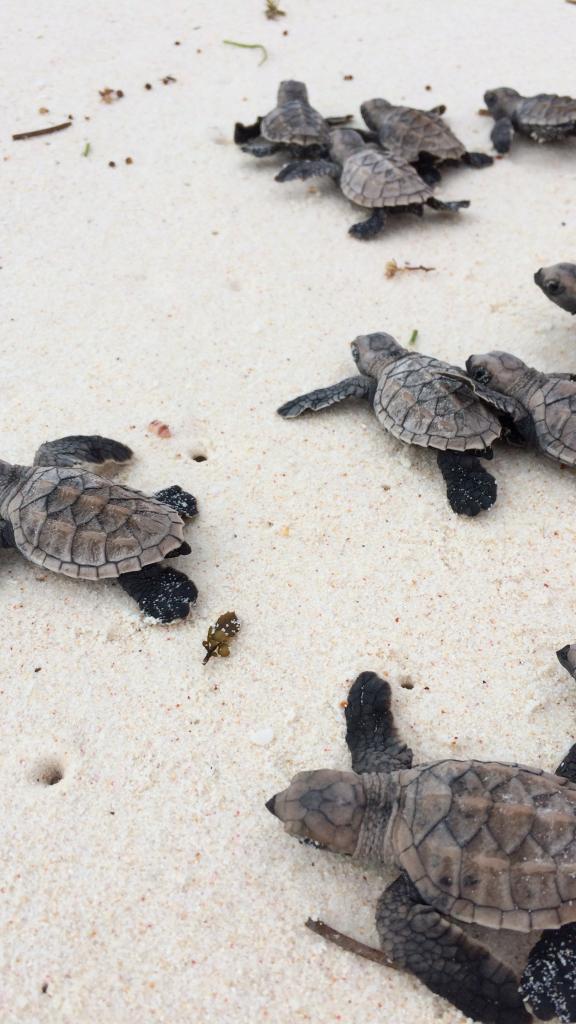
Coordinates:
217 643
249 46
86 149
413 337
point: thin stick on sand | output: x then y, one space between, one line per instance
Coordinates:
349 944
42 131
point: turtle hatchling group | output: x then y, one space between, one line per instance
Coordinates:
469 842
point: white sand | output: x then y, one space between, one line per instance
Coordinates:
150 884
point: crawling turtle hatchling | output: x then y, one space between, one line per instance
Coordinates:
74 522
381 182
421 401
293 125
471 841
421 137
559 284
541 406
544 118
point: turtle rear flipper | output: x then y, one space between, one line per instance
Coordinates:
451 206
304 169
181 501
548 983
470 488
77 449
260 147
369 228
417 938
352 387
162 593
370 731
246 132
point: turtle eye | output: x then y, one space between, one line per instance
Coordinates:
305 841
355 352
482 375
553 287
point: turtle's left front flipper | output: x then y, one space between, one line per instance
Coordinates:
162 593
371 735
352 387
470 488
549 979
77 449
419 939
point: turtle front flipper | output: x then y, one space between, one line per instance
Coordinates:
470 488
77 449
351 387
370 731
477 159
260 147
246 132
369 228
502 134
417 938
162 593
6 534
304 169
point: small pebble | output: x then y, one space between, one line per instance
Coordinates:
262 737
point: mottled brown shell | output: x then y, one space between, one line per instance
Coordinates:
552 406
82 525
546 111
410 132
490 843
423 401
295 123
373 179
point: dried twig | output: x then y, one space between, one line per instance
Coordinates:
272 10
392 268
249 46
349 944
42 131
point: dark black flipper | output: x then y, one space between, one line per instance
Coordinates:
182 502
351 387
369 228
448 207
184 549
6 534
76 449
246 132
549 980
370 731
477 159
440 109
163 593
428 171
261 147
567 768
470 489
567 658
502 134
304 169
417 938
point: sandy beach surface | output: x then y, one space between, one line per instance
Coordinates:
149 884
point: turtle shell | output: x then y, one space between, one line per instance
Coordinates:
374 179
546 111
81 525
490 843
410 132
295 123
423 401
551 403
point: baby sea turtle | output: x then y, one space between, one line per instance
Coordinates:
73 522
293 125
544 118
421 401
559 284
541 406
471 841
381 182
421 137
567 658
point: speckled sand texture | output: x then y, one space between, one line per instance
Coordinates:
150 884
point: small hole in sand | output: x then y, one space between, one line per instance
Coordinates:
47 772
199 457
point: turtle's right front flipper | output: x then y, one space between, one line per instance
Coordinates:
417 938
77 449
351 387
370 731
502 134
304 169
470 488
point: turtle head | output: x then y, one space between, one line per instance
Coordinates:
371 111
291 90
559 284
324 808
567 658
497 370
501 102
373 352
343 143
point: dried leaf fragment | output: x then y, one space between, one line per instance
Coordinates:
217 642
392 268
108 95
272 10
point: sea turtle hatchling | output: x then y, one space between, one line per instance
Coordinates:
544 118
421 401
470 841
293 125
541 406
382 182
71 521
559 284
421 137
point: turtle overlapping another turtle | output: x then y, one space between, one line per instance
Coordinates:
543 118
421 401
488 843
293 126
83 525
